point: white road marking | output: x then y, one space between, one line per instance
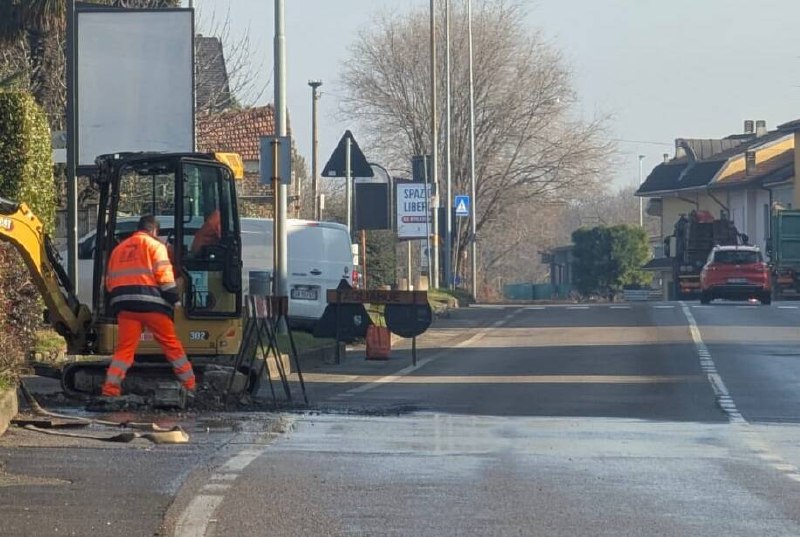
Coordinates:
535 308
212 488
195 519
707 365
223 477
241 460
422 363
577 307
787 307
620 307
662 307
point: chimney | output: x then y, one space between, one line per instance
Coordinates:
666 157
749 126
761 127
749 162
680 152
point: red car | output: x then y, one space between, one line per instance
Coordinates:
735 273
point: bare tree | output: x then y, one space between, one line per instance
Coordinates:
529 148
242 87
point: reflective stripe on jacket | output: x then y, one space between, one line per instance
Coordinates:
139 276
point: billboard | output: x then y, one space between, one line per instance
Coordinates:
134 81
413 216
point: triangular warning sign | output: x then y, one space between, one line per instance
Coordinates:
461 208
336 166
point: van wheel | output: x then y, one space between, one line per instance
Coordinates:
705 298
766 299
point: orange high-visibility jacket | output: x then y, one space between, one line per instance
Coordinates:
209 233
140 276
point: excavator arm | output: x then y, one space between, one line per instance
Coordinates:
71 319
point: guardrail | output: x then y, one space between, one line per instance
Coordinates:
642 295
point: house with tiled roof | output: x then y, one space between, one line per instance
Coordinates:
740 177
240 131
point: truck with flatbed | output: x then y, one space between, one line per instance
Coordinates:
694 236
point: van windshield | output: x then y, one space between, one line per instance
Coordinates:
737 257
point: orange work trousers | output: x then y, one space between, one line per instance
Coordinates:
130 326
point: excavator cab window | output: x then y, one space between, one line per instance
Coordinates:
194 201
210 242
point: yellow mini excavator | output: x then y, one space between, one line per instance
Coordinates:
180 189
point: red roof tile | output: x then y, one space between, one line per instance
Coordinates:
236 131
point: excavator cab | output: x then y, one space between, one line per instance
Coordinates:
194 200
193 197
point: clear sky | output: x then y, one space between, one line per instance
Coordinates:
662 70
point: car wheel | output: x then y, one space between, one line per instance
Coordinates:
766 298
705 298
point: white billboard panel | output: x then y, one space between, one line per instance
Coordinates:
413 216
135 81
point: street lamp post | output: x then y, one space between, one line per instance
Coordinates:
448 236
473 215
434 149
281 190
315 84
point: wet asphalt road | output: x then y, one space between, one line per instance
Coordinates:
558 420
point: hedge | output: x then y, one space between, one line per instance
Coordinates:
26 156
26 174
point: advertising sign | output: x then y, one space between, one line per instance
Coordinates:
135 77
413 216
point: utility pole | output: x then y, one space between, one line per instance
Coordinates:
315 84
641 200
72 151
434 150
281 190
448 236
474 214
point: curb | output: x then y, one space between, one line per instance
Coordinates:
8 408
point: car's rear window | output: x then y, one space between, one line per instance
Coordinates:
737 257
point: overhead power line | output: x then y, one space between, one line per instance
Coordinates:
640 142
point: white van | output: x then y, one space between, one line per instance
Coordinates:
319 257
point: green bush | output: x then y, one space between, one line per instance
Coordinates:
26 174
26 156
607 259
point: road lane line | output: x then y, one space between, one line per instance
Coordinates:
425 361
664 307
535 308
241 460
195 519
723 396
787 307
577 307
620 307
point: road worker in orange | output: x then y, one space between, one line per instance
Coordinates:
142 293
209 233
